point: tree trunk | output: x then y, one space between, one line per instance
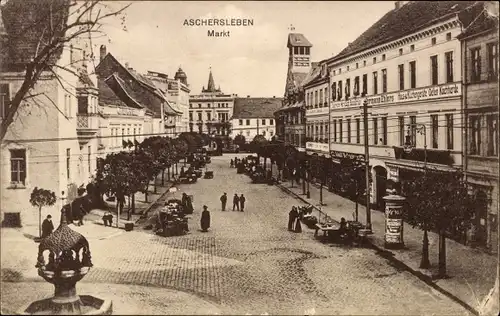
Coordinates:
154 184
442 255
40 221
163 177
321 193
133 203
146 193
304 183
424 263
168 173
129 208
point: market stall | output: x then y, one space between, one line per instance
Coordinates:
172 219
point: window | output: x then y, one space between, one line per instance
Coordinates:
4 99
68 161
449 66
476 64
448 36
247 122
307 50
412 48
358 131
434 70
434 131
384 131
240 122
384 80
365 84
316 99
493 61
375 131
271 133
493 141
340 131
123 134
199 116
364 63
400 51
356 85
375 82
383 57
433 41
374 60
209 116
18 166
413 130
264 122
334 91
347 68
248 133
347 88
401 121
413 74
320 97
475 135
357 66
190 116
89 150
199 105
326 96
271 122
335 130
134 135
401 72
348 130
339 89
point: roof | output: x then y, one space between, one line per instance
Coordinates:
255 107
397 23
127 82
313 75
485 21
297 39
84 79
25 23
107 95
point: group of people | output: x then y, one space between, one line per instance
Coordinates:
238 202
294 224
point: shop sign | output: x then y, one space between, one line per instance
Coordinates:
317 146
421 94
346 155
316 111
393 173
130 112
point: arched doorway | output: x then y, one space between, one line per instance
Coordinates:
380 186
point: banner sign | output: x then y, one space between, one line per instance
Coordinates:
346 155
428 93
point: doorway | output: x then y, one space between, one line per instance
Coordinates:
380 183
481 217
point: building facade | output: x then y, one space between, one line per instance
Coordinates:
254 116
316 89
481 140
42 145
210 111
410 75
290 117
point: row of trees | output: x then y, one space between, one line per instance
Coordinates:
442 202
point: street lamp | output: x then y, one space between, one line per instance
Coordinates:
308 176
367 166
408 147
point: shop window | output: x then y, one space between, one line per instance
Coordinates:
18 166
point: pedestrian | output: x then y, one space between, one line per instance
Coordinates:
47 226
205 219
107 218
231 163
223 200
298 226
242 202
291 218
182 172
236 202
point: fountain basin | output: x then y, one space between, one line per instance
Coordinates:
84 305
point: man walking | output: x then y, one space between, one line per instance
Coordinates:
242 202
223 200
47 226
236 202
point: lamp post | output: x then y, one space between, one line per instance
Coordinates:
367 166
308 178
408 147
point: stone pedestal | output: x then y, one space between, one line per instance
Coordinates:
394 207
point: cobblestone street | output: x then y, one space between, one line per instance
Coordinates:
248 263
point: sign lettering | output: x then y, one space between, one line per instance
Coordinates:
122 111
346 155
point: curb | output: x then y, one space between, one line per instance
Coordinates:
389 257
146 211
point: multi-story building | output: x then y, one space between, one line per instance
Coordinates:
480 68
42 147
210 111
254 116
408 67
290 118
177 93
140 92
317 111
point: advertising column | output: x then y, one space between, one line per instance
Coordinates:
394 207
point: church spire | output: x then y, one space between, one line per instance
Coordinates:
211 83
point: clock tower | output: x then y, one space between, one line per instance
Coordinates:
299 53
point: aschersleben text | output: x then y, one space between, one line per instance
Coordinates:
218 22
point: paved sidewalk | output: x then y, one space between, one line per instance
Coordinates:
471 271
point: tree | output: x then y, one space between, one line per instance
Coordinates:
240 141
441 202
41 198
53 26
258 145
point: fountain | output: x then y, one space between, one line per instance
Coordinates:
69 260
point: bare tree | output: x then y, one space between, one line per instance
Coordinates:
55 24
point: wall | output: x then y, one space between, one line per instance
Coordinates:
254 128
209 105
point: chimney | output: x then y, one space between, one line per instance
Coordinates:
248 96
274 97
102 52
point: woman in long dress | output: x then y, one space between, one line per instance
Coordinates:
298 226
205 219
292 215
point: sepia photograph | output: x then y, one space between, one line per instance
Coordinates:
249 157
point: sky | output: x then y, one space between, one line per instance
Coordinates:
253 60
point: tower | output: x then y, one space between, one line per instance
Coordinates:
181 76
211 84
299 53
